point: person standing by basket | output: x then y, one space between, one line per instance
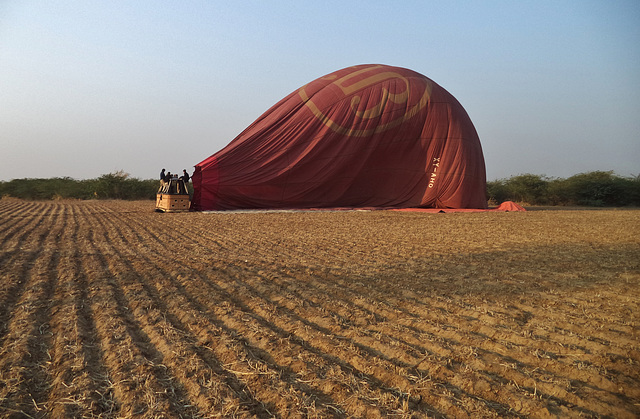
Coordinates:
185 176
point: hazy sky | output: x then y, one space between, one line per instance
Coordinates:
93 87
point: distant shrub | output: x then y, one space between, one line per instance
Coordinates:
119 185
527 189
497 192
601 189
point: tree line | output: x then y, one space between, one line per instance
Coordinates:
118 185
595 189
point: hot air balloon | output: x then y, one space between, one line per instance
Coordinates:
372 136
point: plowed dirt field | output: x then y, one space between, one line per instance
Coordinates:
108 309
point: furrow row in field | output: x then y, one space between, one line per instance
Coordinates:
18 257
10 211
26 341
15 238
141 382
80 384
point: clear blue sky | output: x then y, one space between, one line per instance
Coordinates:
93 87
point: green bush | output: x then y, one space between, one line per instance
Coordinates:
497 192
601 189
527 189
120 186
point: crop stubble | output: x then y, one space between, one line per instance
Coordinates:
108 309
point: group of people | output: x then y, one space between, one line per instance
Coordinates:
168 187
165 177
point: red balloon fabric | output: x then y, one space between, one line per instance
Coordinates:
364 136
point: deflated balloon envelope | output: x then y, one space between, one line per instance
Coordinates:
364 136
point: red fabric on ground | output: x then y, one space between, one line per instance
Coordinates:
510 206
